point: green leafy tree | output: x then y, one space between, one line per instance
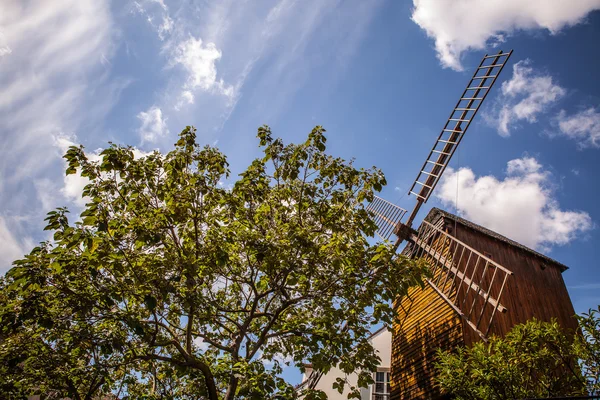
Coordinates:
534 360
587 348
171 286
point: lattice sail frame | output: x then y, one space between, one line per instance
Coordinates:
457 124
386 216
471 283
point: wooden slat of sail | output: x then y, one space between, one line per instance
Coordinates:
386 215
471 283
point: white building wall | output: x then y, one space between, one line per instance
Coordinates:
382 342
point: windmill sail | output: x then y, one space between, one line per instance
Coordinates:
386 215
471 283
457 124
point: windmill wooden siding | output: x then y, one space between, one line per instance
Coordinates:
425 322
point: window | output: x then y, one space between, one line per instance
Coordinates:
381 389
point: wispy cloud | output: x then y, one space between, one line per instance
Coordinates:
53 80
214 47
289 47
157 15
460 26
585 286
521 206
4 48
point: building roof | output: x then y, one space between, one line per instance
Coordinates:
437 213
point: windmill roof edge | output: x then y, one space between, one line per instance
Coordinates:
435 213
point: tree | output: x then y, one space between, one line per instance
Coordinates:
534 360
173 286
587 348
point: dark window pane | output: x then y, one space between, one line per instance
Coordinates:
381 397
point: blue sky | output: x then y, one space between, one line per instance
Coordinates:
381 76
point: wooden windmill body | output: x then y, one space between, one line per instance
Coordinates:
458 308
481 283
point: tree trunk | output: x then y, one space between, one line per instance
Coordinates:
233 384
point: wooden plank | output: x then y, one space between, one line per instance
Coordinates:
424 323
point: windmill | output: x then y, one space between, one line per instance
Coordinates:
445 254
480 282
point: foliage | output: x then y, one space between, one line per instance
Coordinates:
172 286
587 348
534 360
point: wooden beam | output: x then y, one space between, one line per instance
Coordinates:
448 265
458 310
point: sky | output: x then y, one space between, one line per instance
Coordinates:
381 76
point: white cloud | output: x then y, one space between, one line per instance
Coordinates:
524 97
528 166
284 361
521 206
72 185
461 25
153 125
583 127
213 47
199 61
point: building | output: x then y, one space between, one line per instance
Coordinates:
381 341
464 294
